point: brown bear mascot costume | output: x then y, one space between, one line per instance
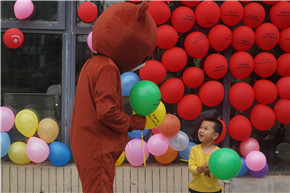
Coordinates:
124 36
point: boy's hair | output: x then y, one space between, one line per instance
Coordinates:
218 127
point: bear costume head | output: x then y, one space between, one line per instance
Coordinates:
126 33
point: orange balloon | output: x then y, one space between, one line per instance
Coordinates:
168 157
170 126
48 130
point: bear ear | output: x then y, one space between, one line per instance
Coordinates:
142 10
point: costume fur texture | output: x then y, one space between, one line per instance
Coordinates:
125 34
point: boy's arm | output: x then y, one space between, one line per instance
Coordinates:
193 168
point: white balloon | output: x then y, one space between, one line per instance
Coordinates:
179 142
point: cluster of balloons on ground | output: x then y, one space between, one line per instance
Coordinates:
38 147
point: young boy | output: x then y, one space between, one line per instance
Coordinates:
203 181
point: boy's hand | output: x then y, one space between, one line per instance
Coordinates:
203 168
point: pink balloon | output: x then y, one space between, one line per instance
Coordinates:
158 144
23 9
134 152
256 161
89 42
249 145
37 150
7 118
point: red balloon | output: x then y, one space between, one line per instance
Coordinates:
87 12
254 15
267 36
222 135
211 93
243 38
153 71
265 64
193 77
249 145
231 12
283 87
159 11
167 37
155 130
241 65
183 19
279 14
196 44
136 1
240 128
13 38
269 2
282 111
284 41
207 13
283 67
265 91
190 3
262 117
174 59
220 37
245 2
189 107
216 66
172 90
241 96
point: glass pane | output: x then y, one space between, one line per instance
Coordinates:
44 10
101 5
31 77
83 53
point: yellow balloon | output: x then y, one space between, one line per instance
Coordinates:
48 130
156 118
17 153
26 121
120 159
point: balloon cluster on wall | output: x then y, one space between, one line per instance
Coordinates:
178 42
38 147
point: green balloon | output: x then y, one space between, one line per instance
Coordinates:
144 97
224 163
283 151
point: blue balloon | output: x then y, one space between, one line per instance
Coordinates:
185 153
137 133
5 143
59 153
244 167
128 80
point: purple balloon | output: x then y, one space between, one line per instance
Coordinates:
261 173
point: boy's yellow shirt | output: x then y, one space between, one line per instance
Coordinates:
201 182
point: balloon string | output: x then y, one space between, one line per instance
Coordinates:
143 149
193 162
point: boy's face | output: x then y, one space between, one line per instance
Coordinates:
206 132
